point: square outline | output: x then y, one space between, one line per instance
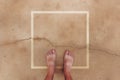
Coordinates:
59 12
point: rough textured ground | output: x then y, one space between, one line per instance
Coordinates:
104 38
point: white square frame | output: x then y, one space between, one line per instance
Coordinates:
59 12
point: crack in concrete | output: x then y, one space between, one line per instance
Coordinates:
14 42
47 40
105 51
51 43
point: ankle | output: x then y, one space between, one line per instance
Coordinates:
51 70
66 72
67 76
49 76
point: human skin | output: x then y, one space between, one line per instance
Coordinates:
15 38
51 58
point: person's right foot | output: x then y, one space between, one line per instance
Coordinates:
51 57
68 61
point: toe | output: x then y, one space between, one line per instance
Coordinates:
50 52
66 52
53 51
70 53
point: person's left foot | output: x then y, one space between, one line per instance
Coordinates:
51 57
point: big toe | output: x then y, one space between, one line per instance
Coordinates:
50 52
68 53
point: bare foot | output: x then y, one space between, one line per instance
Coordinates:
51 57
68 61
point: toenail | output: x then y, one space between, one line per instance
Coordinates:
53 50
67 51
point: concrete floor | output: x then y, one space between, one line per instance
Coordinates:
59 32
